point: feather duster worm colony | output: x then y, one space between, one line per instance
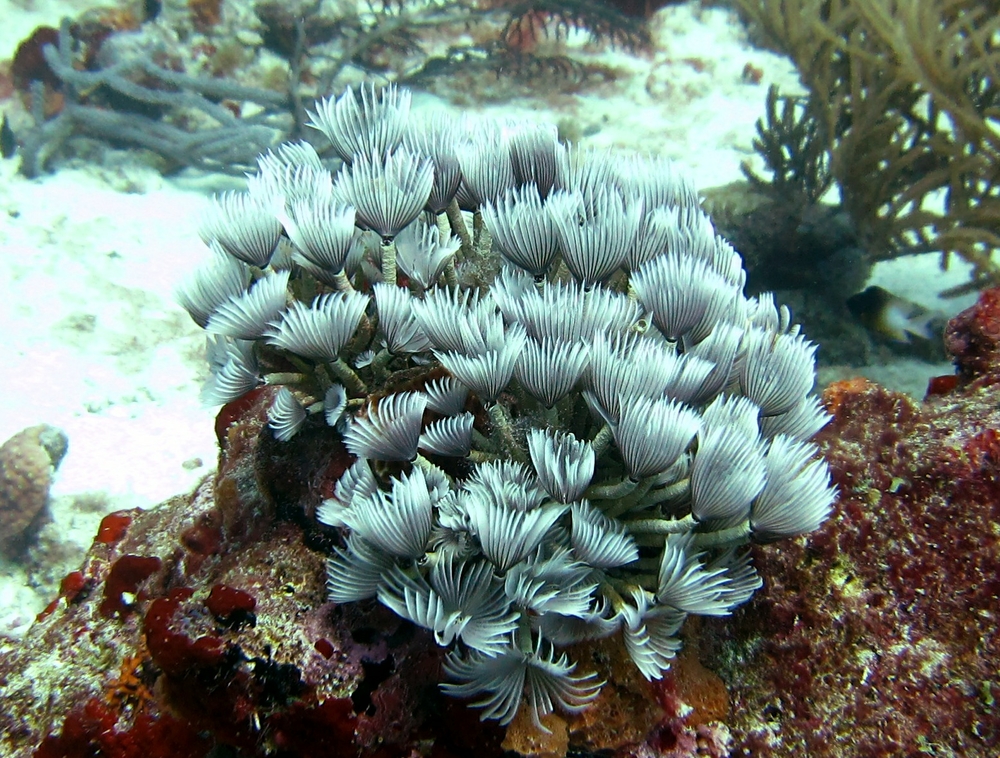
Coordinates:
564 415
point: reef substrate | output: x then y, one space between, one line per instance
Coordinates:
204 622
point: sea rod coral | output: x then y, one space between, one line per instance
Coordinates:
565 419
906 92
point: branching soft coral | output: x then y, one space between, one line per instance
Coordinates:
905 95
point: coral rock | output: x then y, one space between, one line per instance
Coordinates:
524 738
29 64
27 462
973 339
880 637
626 712
185 632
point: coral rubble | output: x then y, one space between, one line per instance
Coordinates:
209 85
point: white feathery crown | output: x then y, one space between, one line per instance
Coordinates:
560 417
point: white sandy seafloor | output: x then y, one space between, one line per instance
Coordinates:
94 344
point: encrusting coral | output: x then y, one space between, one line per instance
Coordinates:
564 421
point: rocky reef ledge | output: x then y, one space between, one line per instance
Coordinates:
202 626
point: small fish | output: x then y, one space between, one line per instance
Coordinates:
8 142
893 317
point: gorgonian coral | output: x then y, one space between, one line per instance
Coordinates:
566 417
